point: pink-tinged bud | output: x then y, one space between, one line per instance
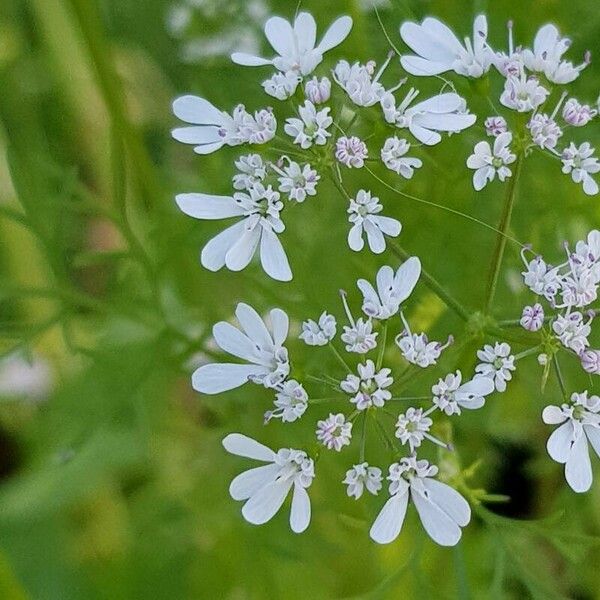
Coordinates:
577 114
496 125
590 361
351 152
533 317
318 90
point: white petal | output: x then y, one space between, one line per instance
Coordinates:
388 226
374 237
222 377
198 111
368 291
590 187
280 324
388 524
449 500
443 33
305 29
503 140
593 435
200 134
440 104
213 254
240 254
578 470
336 34
280 34
406 277
208 148
233 341
253 325
429 138
425 44
415 65
246 484
482 176
445 122
478 386
248 60
206 206
355 240
553 415
440 527
384 279
560 441
273 257
263 506
242 445
545 39
300 513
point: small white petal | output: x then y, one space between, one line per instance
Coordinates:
248 60
206 206
553 415
198 111
440 527
300 513
280 324
213 254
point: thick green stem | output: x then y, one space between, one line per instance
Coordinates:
505 218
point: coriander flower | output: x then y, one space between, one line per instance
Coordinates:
291 402
590 361
334 432
358 82
494 126
295 46
442 510
572 331
369 388
262 349
311 127
417 349
532 318
444 112
252 170
392 289
439 50
297 181
317 90
581 164
364 216
541 278
577 114
321 333
213 128
351 152
358 336
450 396
544 131
412 427
511 62
265 488
282 85
257 230
393 157
363 476
522 93
497 364
579 424
488 163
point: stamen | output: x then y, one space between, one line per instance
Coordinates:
384 65
346 307
558 105
509 25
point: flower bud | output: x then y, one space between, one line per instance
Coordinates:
590 361
542 359
494 126
533 317
318 91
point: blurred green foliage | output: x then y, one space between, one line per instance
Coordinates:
116 485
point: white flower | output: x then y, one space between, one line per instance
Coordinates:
579 424
442 510
444 112
532 318
541 278
359 336
257 230
392 290
364 216
358 82
265 488
497 364
544 131
369 388
412 427
260 347
351 152
439 50
213 128
24 377
488 163
577 114
317 90
523 94
450 396
334 432
548 48
363 476
251 169
417 349
295 46
581 164
291 402
590 361
511 62
311 127
282 85
321 333
572 331
298 182
392 155
496 125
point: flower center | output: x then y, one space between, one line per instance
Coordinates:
497 162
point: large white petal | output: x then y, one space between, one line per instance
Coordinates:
232 340
300 513
355 240
198 111
438 524
449 500
336 34
253 325
553 415
545 39
246 484
429 138
445 122
478 386
249 60
388 226
443 33
388 524
198 134
222 377
415 65
262 506
560 441
384 279
213 254
406 277
240 254
374 237
280 34
442 103
272 256
593 435
206 206
305 29
280 324
242 445
578 470
208 148
421 41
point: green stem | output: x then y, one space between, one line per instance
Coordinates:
339 357
503 226
382 343
559 377
363 438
